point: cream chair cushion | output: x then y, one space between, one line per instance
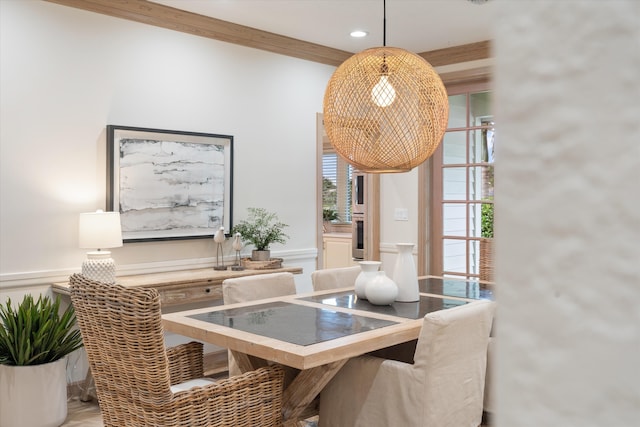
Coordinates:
188 385
443 388
260 286
332 278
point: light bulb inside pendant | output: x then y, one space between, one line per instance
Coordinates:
383 94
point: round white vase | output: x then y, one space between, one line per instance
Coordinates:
381 290
405 275
33 396
369 269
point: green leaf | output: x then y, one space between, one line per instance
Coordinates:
35 332
261 228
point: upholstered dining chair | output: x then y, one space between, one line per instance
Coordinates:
442 388
489 395
251 288
259 286
332 278
140 383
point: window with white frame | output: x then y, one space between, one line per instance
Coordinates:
336 188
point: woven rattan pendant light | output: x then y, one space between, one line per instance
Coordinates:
385 109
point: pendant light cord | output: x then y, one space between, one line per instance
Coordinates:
384 23
384 69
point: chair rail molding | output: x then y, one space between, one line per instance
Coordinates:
46 277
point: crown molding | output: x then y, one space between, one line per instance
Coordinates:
473 75
457 54
187 22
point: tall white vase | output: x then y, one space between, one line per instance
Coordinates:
369 269
405 275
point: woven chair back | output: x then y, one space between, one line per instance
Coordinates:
122 333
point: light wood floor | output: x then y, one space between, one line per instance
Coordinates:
87 414
83 414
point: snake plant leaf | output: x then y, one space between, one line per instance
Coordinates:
35 333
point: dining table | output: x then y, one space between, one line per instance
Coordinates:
318 332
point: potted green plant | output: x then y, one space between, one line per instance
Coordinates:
34 342
261 229
328 215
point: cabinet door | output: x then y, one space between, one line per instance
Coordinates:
337 253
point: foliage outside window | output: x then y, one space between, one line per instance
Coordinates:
487 220
336 189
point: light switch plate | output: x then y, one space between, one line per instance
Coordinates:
401 214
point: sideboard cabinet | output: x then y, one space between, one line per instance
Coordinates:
184 286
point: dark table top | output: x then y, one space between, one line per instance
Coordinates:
306 325
409 310
457 288
297 324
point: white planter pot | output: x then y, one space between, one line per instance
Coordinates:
260 255
33 396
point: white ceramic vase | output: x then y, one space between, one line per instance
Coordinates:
404 274
33 396
381 290
369 269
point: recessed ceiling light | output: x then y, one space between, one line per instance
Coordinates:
358 33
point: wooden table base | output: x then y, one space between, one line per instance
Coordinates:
302 391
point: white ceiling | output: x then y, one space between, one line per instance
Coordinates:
414 25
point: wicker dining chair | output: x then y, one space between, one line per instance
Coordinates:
140 383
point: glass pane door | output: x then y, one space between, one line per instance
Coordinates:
465 196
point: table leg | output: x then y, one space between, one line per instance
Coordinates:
304 388
247 362
89 383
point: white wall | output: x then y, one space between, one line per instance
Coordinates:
397 190
67 73
567 177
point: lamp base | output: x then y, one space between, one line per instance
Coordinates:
99 266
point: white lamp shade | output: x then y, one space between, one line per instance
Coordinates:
100 230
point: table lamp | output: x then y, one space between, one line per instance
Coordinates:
99 230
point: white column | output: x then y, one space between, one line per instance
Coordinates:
568 214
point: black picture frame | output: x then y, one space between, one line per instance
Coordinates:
169 185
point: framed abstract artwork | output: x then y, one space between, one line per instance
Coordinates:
169 184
